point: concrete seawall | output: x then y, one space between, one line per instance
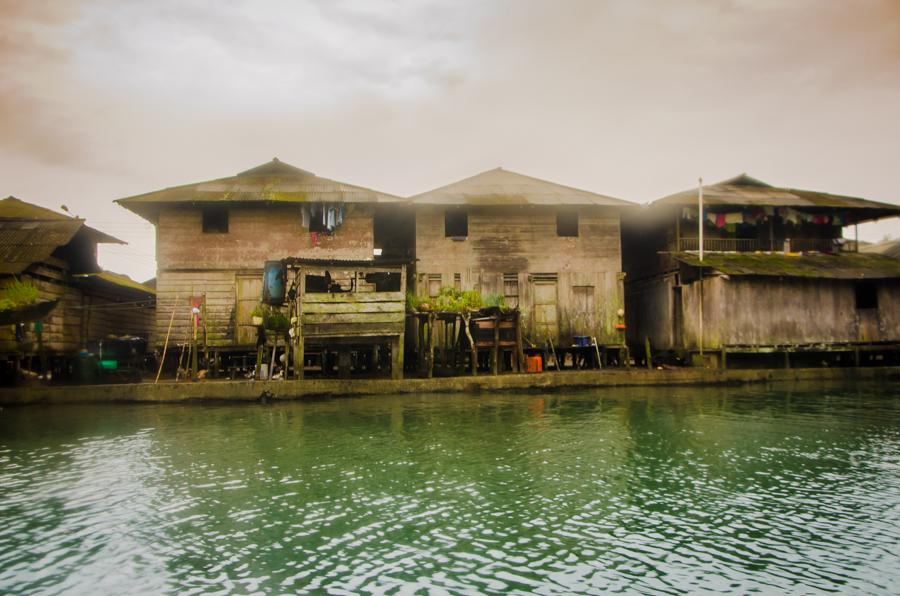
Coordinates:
316 388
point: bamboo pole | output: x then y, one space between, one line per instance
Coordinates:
553 351
166 344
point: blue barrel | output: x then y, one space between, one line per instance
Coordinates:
274 275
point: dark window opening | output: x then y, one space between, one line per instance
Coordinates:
215 220
567 223
456 223
384 282
316 224
866 295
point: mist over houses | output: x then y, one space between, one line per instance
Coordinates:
277 270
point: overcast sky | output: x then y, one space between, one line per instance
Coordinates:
101 99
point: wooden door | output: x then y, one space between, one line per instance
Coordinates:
545 310
249 292
868 324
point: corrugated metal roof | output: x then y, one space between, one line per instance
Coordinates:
743 190
274 181
889 248
23 243
842 266
15 209
502 187
29 234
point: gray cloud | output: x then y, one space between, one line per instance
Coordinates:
103 98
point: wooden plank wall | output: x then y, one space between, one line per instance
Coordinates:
256 234
191 263
523 240
81 317
353 314
767 311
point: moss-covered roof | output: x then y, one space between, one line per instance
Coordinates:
745 191
503 187
808 265
271 182
118 283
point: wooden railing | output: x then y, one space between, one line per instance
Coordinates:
826 245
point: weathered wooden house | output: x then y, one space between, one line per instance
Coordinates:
552 251
213 239
78 303
776 274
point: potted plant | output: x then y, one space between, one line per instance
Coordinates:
257 315
277 321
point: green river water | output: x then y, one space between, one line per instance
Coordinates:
652 490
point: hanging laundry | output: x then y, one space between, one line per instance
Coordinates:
314 239
711 217
340 215
304 216
330 219
720 220
731 228
734 218
769 210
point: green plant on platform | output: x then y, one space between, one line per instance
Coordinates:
276 320
453 300
497 301
260 310
15 293
413 302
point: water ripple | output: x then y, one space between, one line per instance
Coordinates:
650 491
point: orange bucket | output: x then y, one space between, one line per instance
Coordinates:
533 364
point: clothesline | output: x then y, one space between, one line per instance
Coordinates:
756 215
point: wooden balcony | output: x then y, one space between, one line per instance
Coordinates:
823 245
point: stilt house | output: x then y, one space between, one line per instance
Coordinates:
552 251
214 238
776 273
77 302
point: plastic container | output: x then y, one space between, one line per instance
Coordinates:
533 364
274 275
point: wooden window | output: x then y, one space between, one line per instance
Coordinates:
511 289
434 284
583 298
866 295
456 222
457 281
215 220
567 223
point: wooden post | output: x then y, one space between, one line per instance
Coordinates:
300 280
678 230
397 357
431 320
647 353
272 360
473 349
520 349
495 350
787 359
166 343
724 358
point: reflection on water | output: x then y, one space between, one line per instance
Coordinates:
650 490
